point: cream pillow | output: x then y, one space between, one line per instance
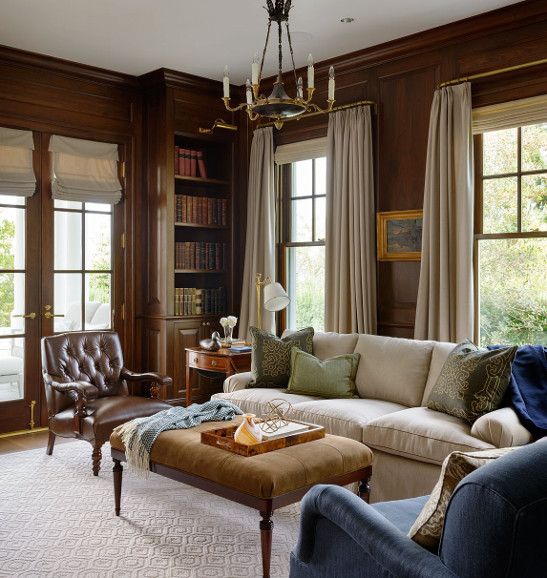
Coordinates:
428 527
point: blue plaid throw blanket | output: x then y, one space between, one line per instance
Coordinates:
139 435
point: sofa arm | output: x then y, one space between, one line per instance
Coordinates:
382 544
501 428
237 381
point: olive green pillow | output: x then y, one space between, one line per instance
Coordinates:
472 381
271 355
334 377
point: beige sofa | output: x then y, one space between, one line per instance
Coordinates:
394 380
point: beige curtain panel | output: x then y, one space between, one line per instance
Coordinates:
260 239
444 310
510 114
16 171
350 283
85 171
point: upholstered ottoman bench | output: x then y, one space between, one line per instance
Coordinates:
265 482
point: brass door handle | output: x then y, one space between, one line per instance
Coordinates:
50 315
31 315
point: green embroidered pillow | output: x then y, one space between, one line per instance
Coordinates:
271 355
334 377
472 381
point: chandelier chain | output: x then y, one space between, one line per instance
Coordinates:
264 51
291 51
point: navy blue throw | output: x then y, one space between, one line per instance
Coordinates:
527 391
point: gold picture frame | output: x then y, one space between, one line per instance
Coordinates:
398 241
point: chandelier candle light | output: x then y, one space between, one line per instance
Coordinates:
279 106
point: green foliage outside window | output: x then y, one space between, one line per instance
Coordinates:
7 261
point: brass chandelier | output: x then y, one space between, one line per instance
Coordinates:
279 106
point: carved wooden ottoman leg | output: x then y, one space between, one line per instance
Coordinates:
50 443
118 471
266 527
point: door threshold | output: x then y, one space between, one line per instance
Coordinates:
23 432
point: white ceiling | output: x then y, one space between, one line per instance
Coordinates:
200 37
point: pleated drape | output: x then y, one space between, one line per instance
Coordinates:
350 272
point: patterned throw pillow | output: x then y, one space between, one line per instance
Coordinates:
271 356
428 527
334 377
472 381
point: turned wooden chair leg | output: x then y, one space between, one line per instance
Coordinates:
50 443
96 456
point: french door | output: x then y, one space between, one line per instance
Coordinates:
57 262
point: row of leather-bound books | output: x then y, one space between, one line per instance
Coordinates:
201 210
194 301
199 255
189 163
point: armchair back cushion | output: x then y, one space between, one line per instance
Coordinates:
393 369
94 357
496 521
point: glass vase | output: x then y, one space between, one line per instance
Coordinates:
228 331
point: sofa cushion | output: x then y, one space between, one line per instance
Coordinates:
421 434
332 378
344 417
472 382
402 513
271 356
439 355
392 369
256 400
328 344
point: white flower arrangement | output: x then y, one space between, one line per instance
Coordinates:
229 321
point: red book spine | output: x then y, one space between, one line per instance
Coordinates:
186 157
184 214
180 161
193 163
201 165
176 160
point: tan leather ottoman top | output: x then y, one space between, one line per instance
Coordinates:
263 476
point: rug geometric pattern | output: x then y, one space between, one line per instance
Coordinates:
57 520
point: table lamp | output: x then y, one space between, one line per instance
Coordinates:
275 297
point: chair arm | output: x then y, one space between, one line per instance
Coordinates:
501 428
237 381
79 392
381 542
156 378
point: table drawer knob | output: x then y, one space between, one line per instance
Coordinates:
196 359
213 363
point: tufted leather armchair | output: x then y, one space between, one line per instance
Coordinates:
86 388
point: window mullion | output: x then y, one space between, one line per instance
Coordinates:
519 180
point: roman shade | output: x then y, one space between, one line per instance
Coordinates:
301 151
510 114
84 171
16 172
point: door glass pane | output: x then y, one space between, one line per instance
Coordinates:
302 178
12 200
500 151
12 238
302 218
534 147
67 302
534 202
58 204
68 240
97 297
12 303
306 287
500 205
97 241
512 291
12 364
101 207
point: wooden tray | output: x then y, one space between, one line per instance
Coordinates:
223 438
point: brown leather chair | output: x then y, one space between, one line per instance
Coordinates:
86 388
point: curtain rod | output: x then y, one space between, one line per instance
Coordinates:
318 112
493 72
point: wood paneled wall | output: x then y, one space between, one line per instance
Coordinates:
400 77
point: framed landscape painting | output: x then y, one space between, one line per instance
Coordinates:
400 235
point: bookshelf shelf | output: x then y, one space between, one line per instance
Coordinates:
200 226
202 181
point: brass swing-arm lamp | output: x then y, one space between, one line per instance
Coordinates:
275 297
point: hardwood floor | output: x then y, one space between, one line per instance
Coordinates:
28 441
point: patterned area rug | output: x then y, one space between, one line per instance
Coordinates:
57 519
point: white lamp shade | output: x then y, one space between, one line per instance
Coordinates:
275 297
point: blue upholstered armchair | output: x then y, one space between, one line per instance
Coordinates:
495 526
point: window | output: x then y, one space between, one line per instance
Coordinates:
82 266
303 222
511 235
